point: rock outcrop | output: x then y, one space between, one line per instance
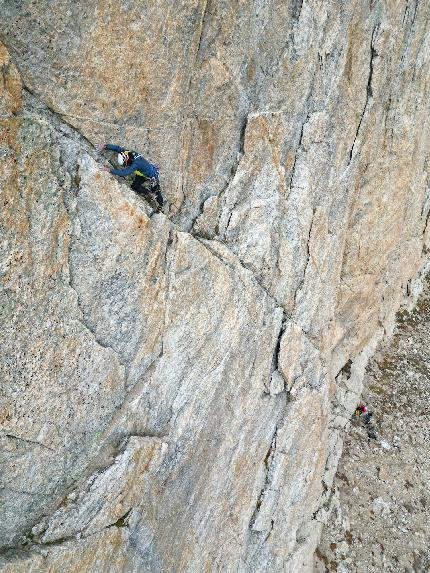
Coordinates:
380 516
175 386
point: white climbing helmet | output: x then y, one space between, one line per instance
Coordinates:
124 158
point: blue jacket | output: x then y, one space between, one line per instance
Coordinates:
139 166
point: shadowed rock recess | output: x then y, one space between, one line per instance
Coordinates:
175 387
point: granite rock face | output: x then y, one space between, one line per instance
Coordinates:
175 386
380 517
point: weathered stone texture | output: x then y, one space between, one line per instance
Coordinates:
201 363
380 517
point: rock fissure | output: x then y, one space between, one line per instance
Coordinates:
268 459
275 359
205 13
407 11
233 171
298 149
57 121
167 263
276 352
27 440
239 155
369 90
31 545
308 260
247 474
320 514
268 464
207 244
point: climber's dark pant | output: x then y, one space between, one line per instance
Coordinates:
142 185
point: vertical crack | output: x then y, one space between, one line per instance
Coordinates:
268 459
298 148
202 28
233 170
269 463
369 89
275 359
296 9
240 152
308 258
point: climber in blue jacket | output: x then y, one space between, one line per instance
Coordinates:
146 174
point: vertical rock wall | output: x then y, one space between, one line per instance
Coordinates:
379 517
176 385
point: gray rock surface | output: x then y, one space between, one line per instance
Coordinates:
380 506
203 362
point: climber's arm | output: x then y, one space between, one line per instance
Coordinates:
114 148
123 172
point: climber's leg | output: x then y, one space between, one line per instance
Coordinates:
138 185
158 195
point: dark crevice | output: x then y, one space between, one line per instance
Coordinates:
308 258
241 139
296 9
233 171
369 89
346 370
31 544
228 221
167 261
26 440
298 148
267 469
190 119
373 55
4 71
122 521
272 523
327 497
275 358
239 154
426 224
200 211
405 13
415 12
203 26
203 22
